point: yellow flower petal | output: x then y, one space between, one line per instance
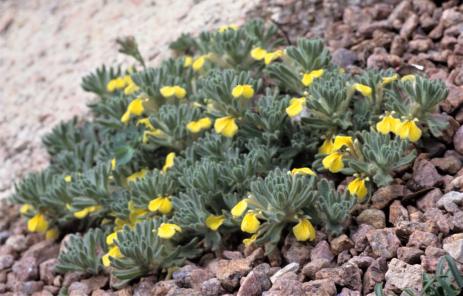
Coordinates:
180 92
171 91
296 105
308 78
38 223
187 61
213 222
248 241
243 90
136 107
113 164
302 171
167 91
169 163
113 252
258 53
388 124
157 133
358 188
137 175
409 77
146 122
111 86
250 223
326 147
271 56
389 79
25 208
168 230
161 204
333 162
52 234
68 178
365 90
131 89
239 208
228 27
198 63
226 126
304 230
105 260
409 129
199 125
110 238
341 141
82 213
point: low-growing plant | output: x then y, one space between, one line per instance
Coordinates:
234 137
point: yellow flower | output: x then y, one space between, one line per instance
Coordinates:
38 223
111 86
296 105
341 141
302 171
86 211
116 84
25 208
228 27
213 222
333 162
135 108
409 129
157 133
131 88
239 208
161 204
326 147
199 125
113 252
389 79
357 188
365 90
308 78
187 61
52 234
168 230
258 53
113 164
111 237
169 161
388 124
135 213
250 223
248 241
146 122
171 91
271 56
409 77
226 126
68 178
304 230
198 63
243 90
137 175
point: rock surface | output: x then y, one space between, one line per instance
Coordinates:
48 46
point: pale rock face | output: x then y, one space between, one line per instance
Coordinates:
401 275
47 46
